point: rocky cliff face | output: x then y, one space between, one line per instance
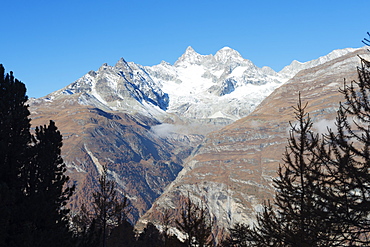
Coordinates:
231 171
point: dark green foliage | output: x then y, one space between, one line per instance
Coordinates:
295 199
196 222
32 181
123 236
347 161
46 193
106 224
294 220
150 237
267 232
299 215
166 221
14 139
323 189
89 235
238 236
173 241
109 210
14 128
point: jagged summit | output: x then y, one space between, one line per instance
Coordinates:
121 61
189 57
222 56
190 50
122 65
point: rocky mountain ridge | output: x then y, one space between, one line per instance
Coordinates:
231 171
202 88
143 122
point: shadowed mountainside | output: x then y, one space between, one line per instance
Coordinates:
142 163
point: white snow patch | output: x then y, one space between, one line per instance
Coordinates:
238 72
218 115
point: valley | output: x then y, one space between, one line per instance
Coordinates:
214 126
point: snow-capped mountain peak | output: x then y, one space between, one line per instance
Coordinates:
190 57
190 51
227 53
123 65
199 87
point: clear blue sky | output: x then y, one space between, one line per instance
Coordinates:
50 44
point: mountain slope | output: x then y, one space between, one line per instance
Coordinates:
142 163
232 170
292 69
143 122
123 117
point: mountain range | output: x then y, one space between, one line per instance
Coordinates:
213 126
232 170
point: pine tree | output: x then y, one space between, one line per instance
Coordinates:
238 236
298 216
46 191
166 221
346 156
109 210
300 210
123 236
33 195
14 139
107 217
323 189
267 231
14 128
150 237
195 221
